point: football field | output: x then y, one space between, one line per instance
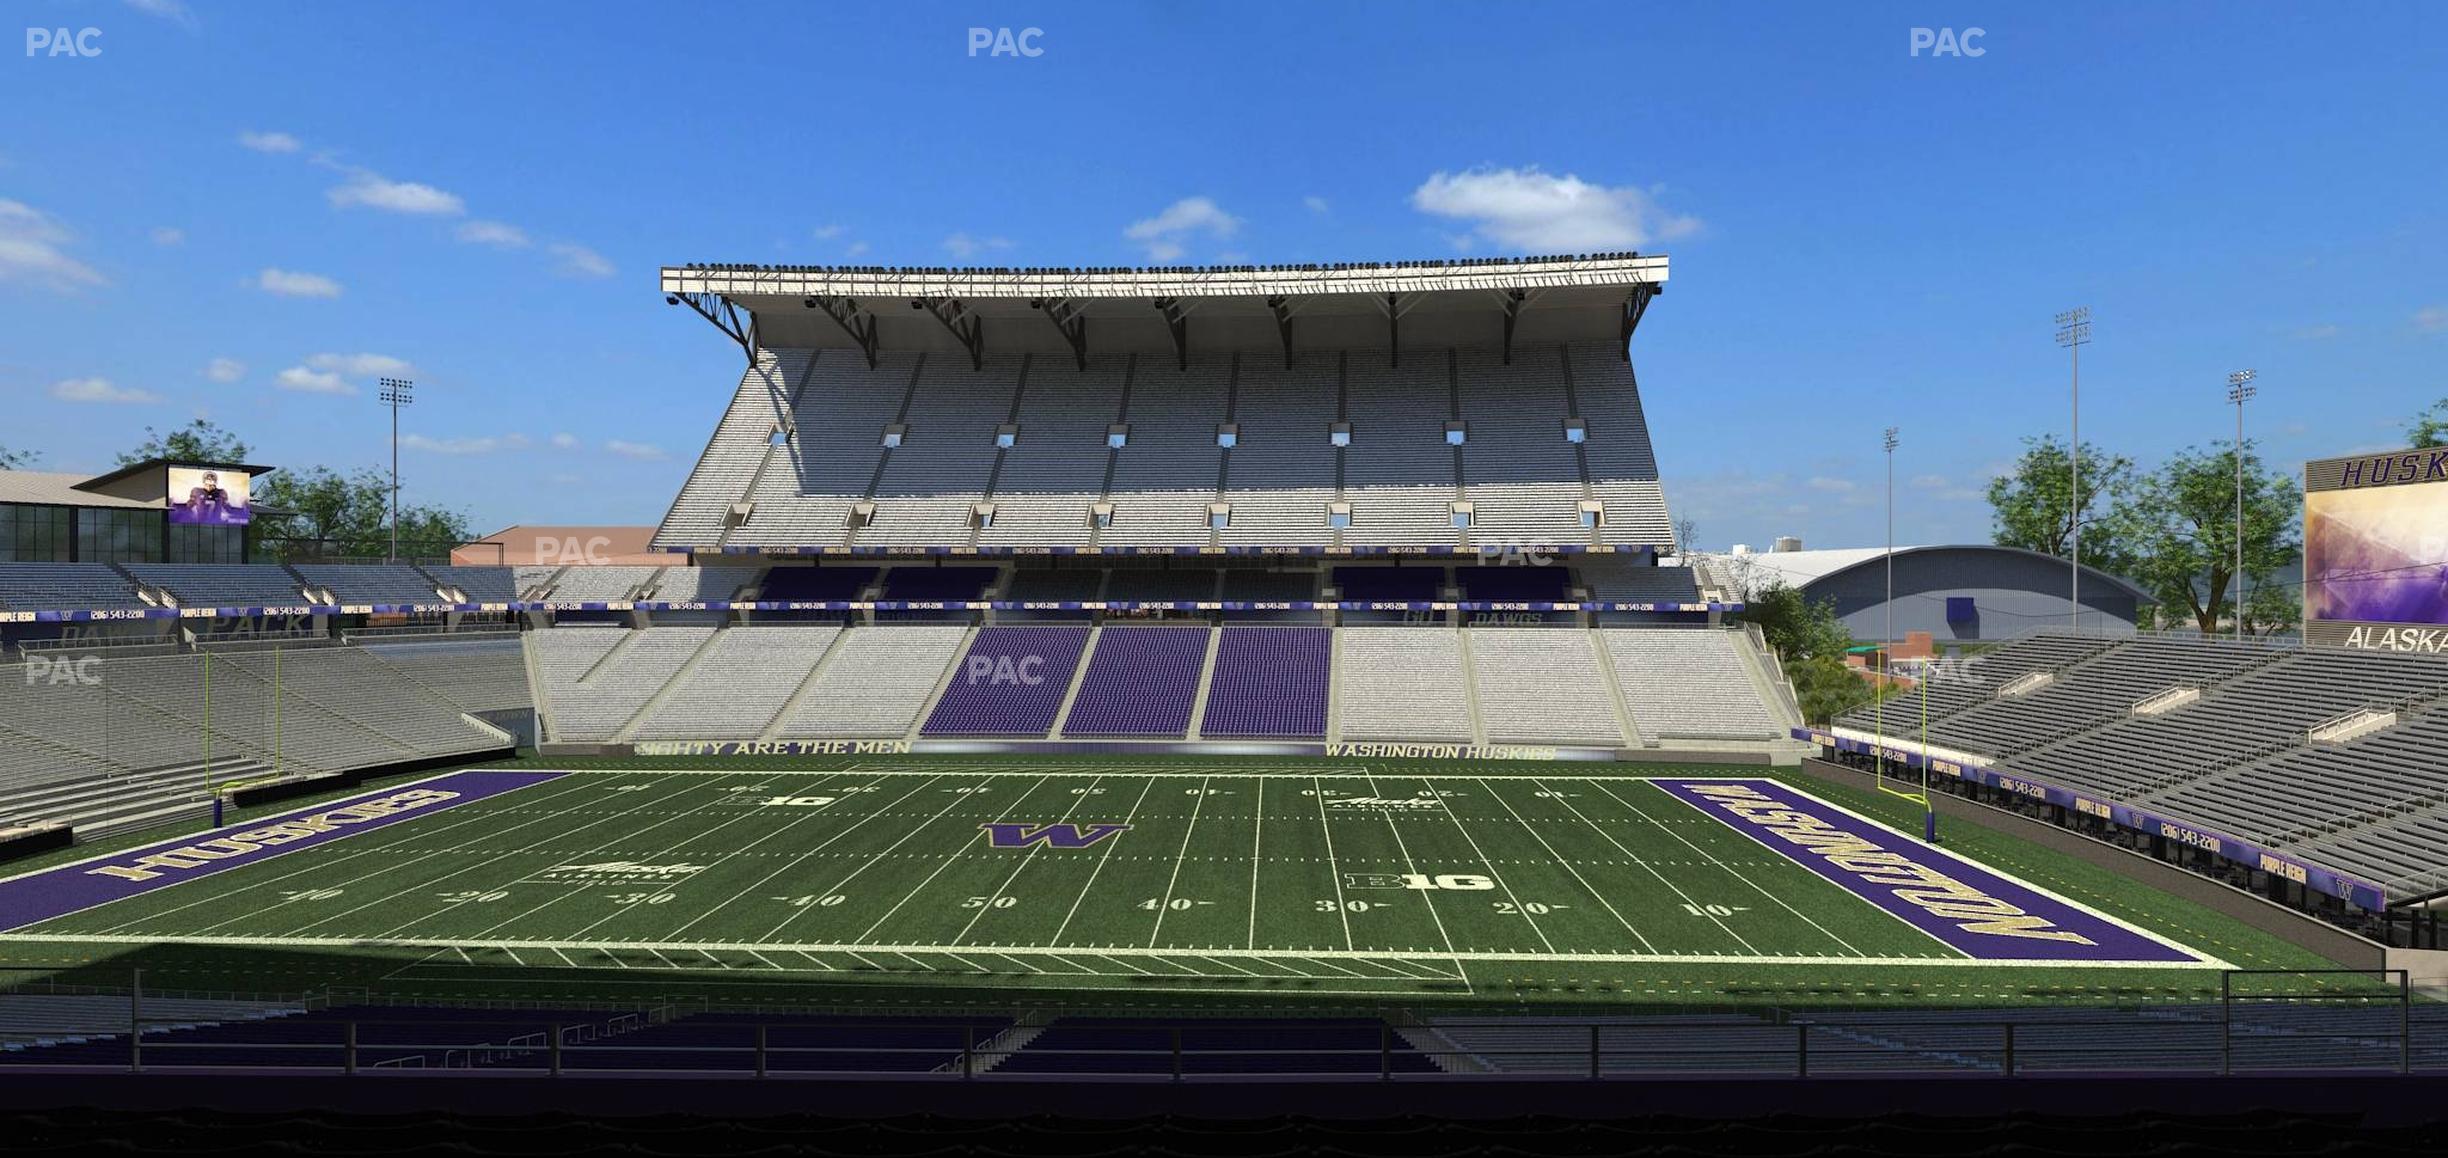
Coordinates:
1342 880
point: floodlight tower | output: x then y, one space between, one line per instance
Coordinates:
2073 333
396 392
2240 391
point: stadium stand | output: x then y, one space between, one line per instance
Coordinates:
221 584
613 584
1280 473
733 459
534 582
701 584
1997 668
1622 466
1011 682
1539 685
1398 473
1401 683
1054 471
1165 477
595 704
1141 681
1687 684
739 686
927 487
2101 687
1269 682
364 712
1525 481
65 586
369 583
479 584
874 683
484 672
1614 584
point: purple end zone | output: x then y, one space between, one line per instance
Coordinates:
1987 916
57 892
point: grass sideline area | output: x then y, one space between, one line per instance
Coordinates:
870 882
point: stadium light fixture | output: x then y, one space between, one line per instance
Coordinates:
2240 390
396 392
2073 333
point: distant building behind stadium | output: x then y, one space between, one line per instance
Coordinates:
157 511
1963 593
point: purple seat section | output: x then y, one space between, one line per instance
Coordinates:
1269 682
1142 681
1010 683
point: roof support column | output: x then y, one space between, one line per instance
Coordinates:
1177 321
723 314
1071 319
966 327
1636 303
845 313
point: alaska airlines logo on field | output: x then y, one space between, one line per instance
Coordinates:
617 870
1402 802
220 848
1009 835
1959 902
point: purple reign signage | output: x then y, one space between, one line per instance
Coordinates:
57 892
1985 915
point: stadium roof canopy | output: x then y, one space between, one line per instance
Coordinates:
986 311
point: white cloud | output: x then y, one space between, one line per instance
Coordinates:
1831 485
965 247
372 190
2315 333
1532 211
2432 319
305 381
487 444
172 10
225 370
32 250
565 440
292 284
826 232
1315 204
99 390
854 249
579 261
499 234
360 365
270 142
165 235
643 452
1164 235
1945 489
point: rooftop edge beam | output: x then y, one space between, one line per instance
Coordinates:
723 314
1636 303
1070 318
845 313
966 327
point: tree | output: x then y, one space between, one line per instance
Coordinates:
2430 427
1811 644
15 459
199 441
2032 506
318 512
2178 528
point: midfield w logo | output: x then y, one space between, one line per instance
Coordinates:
1007 835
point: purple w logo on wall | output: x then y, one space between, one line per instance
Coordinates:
1008 835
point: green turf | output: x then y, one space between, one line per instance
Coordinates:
1238 880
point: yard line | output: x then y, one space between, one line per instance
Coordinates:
429 883
958 851
1334 868
1165 905
1413 866
1566 861
958 798
1257 841
1600 829
802 858
1093 873
1487 864
373 843
1745 878
1077 799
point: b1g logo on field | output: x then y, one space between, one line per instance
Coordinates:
795 801
1421 882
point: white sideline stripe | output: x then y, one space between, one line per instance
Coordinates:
855 950
2206 960
1166 772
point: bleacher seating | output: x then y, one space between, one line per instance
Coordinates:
480 673
1270 683
610 584
1055 469
370 582
1141 681
1615 584
1401 683
735 691
730 463
701 584
1524 480
222 584
597 702
479 584
874 683
1540 685
1011 682
2086 695
927 487
1688 684
64 587
1281 469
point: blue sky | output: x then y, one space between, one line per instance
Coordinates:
250 211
